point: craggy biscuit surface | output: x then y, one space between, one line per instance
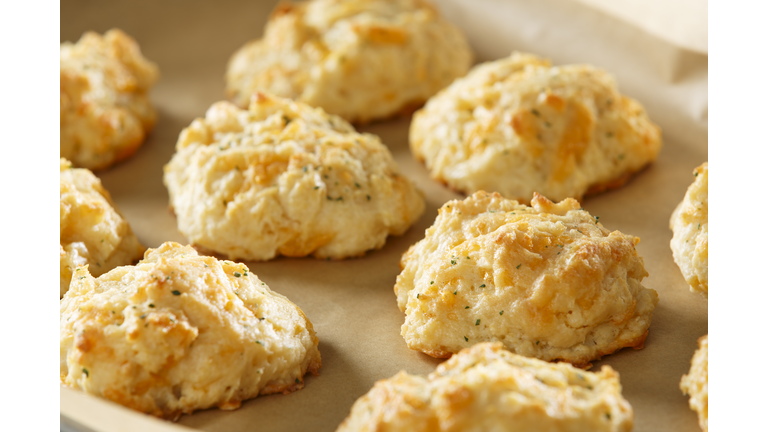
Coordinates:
548 281
696 383
518 126
105 109
359 59
91 229
690 227
486 388
180 332
282 178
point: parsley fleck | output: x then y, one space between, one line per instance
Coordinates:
262 283
237 274
465 338
699 227
431 282
608 416
357 185
535 112
175 292
143 316
580 376
466 307
482 286
167 278
297 381
85 371
417 295
501 313
454 293
518 266
151 305
286 120
537 342
453 262
368 197
259 342
316 188
695 173
547 124
340 199
477 323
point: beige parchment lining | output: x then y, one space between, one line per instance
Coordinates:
351 303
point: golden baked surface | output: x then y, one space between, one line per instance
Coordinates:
180 332
359 59
695 384
105 109
518 126
282 178
91 229
486 388
548 281
690 227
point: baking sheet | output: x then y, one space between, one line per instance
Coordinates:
351 303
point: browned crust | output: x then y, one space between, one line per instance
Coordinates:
582 363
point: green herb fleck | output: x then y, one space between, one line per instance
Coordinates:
695 173
368 197
501 313
547 124
431 282
237 274
167 278
535 112
482 286
537 342
286 120
143 316
357 185
466 307
417 295
175 292
297 381
699 227
259 342
608 416
85 371
453 262
465 338
151 305
477 323
454 293
518 266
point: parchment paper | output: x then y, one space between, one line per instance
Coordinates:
351 303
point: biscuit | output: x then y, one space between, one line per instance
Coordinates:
548 281
690 227
696 382
485 388
518 126
105 109
282 178
180 332
91 229
359 59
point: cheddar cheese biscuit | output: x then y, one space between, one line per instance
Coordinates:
104 102
518 126
282 178
548 281
486 388
359 59
91 229
180 332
